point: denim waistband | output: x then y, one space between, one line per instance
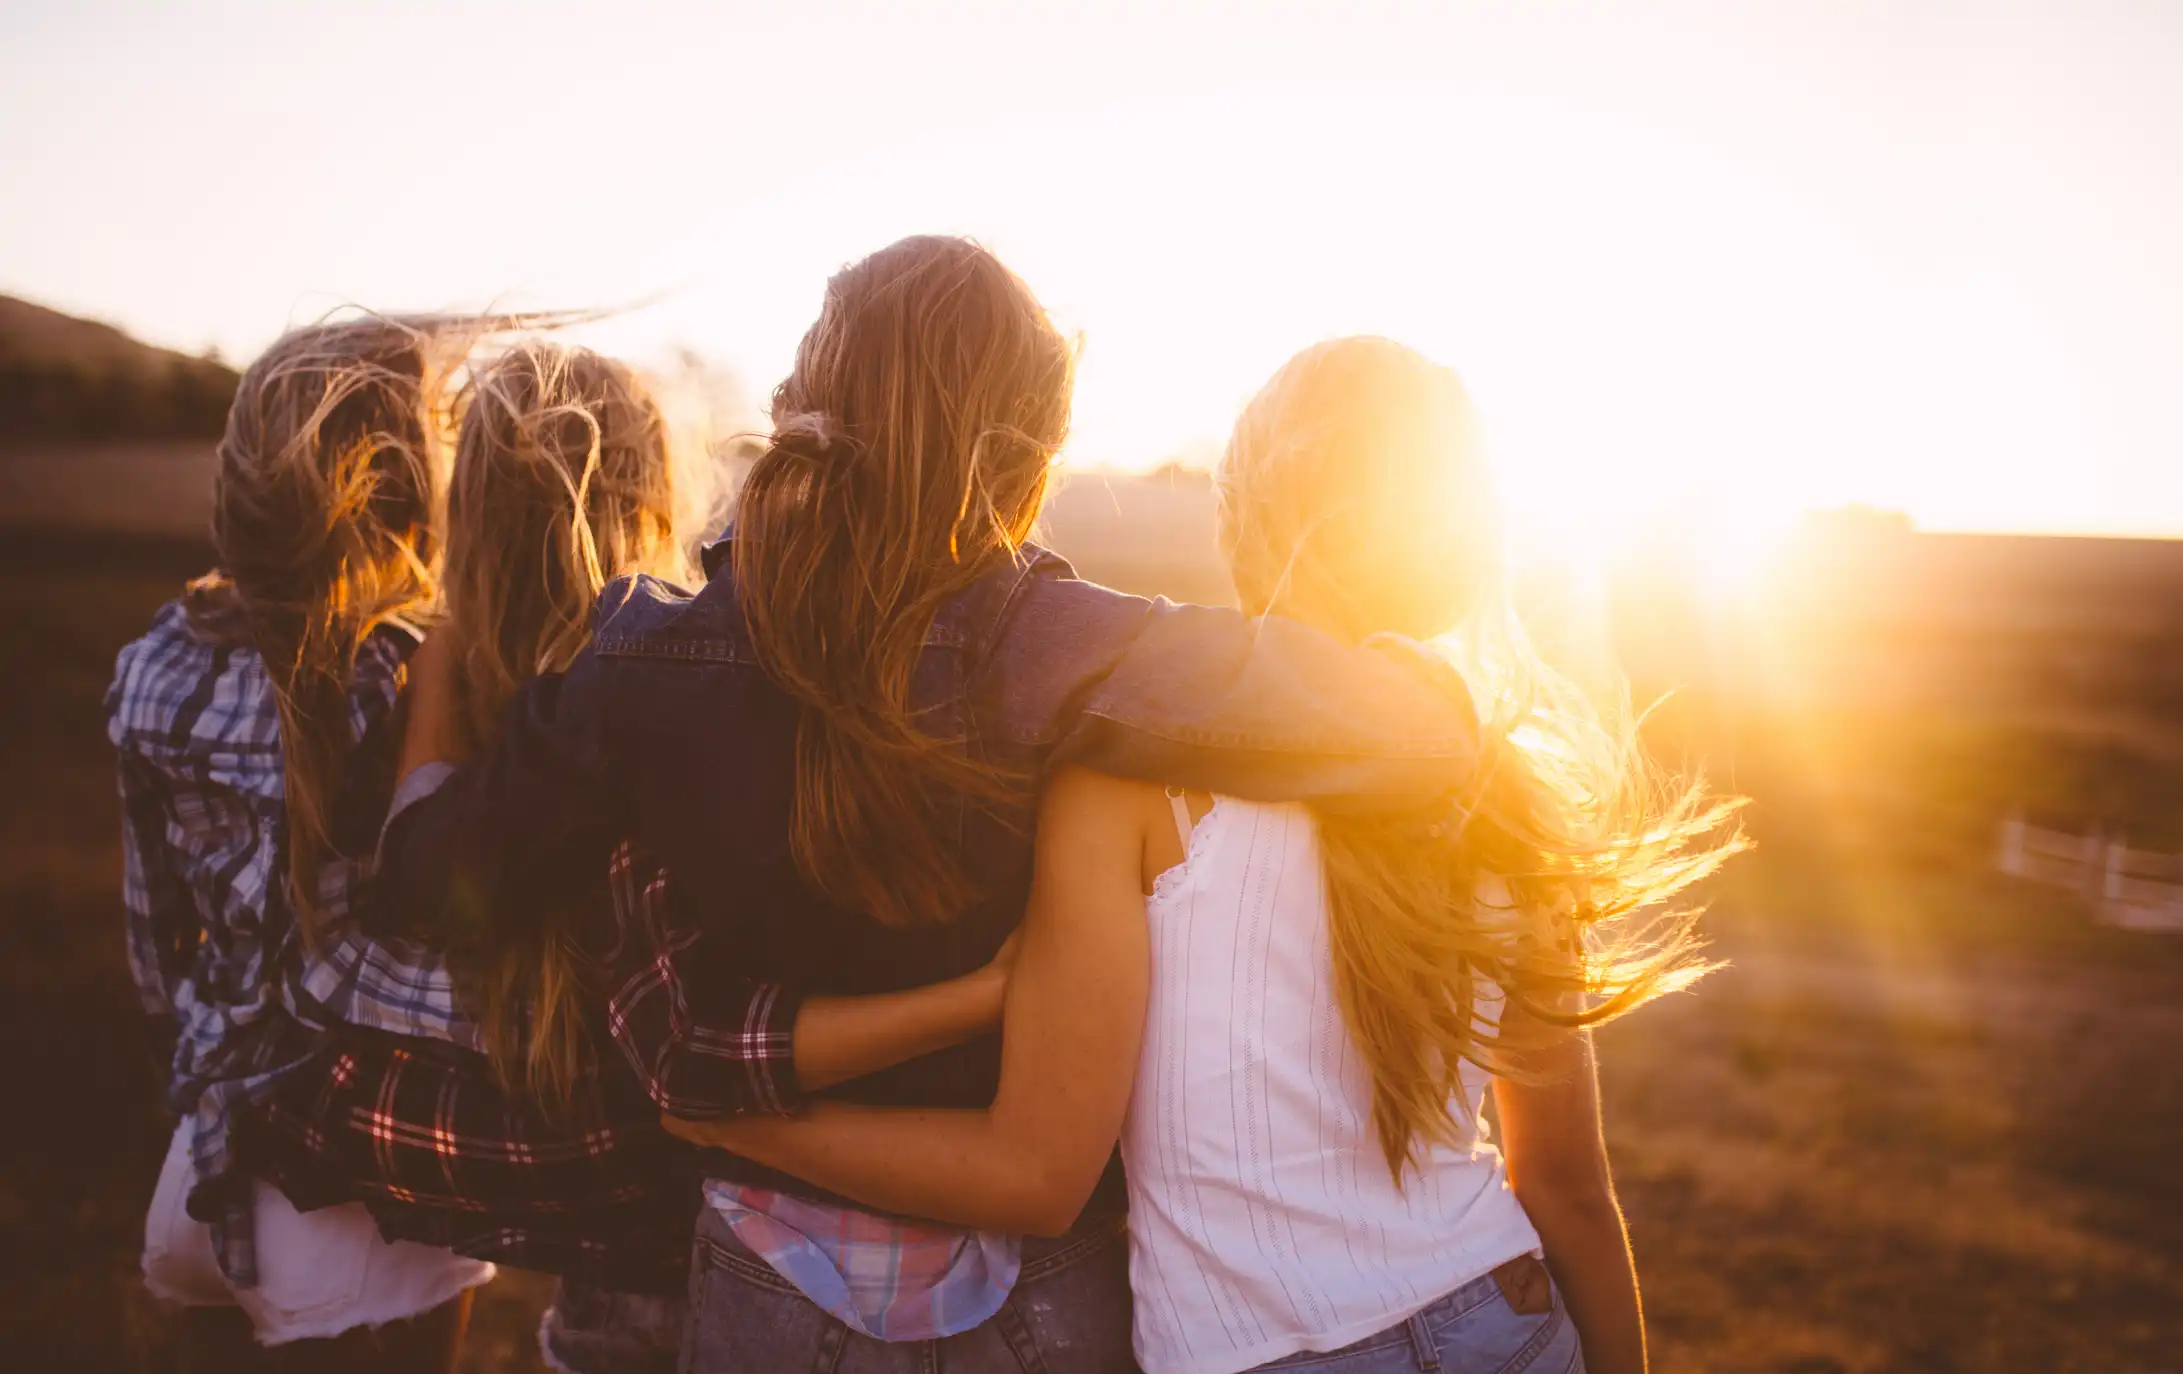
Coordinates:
1460 1301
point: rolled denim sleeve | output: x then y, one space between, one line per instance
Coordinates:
1257 707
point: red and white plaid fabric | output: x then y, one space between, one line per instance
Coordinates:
426 1135
705 1040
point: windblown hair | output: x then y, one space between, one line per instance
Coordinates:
1353 495
909 456
565 477
324 502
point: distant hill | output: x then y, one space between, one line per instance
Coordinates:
64 378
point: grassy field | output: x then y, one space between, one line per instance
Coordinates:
1925 1120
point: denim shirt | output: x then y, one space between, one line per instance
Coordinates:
668 729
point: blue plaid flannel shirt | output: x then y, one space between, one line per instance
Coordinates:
212 940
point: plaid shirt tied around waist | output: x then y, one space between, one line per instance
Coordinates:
426 1135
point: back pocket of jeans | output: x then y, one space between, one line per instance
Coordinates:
1495 1335
742 1322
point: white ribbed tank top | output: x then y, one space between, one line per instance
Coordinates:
1261 1217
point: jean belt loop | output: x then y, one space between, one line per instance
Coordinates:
832 1341
1422 1344
1017 1333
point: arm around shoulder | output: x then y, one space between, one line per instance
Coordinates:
1074 1014
1209 698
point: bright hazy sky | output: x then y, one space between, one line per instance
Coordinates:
1724 258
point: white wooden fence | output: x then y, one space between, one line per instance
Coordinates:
2137 889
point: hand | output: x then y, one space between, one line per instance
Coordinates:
1003 962
989 983
695 1132
735 1133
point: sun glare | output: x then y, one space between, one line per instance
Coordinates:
1657 308
1628 380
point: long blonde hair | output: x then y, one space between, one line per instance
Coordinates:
324 503
909 456
1353 494
566 476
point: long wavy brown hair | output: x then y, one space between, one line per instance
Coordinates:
566 476
325 500
909 455
1354 495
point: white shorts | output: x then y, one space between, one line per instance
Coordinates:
319 1273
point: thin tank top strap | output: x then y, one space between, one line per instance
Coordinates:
1178 801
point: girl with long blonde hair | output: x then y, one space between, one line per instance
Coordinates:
236 717
566 476
1291 1015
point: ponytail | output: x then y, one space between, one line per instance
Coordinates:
909 457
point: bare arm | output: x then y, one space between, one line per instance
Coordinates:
707 1040
432 732
840 1038
1557 1164
1075 1013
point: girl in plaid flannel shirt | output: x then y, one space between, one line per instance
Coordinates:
234 718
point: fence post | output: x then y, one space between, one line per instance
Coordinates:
2116 856
2012 843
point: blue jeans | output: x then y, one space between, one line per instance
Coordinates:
1472 1330
1069 1314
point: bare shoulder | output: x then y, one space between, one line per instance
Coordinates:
1083 794
1094 822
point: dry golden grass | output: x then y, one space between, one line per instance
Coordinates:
1857 1150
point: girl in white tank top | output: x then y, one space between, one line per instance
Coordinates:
1291 1018
1262 1221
